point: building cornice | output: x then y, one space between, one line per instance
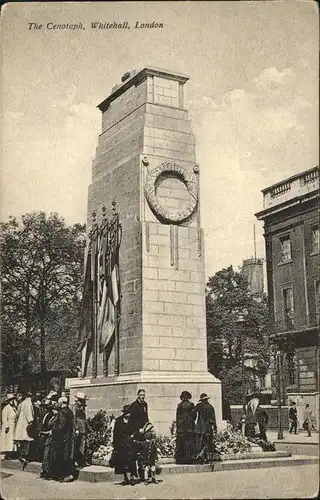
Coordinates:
135 78
298 200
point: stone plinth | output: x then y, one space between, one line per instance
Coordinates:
145 161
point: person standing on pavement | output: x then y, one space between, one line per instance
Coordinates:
80 427
256 418
62 445
139 417
123 446
205 427
9 416
51 409
185 429
293 418
25 417
307 424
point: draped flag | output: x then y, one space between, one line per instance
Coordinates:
109 297
86 319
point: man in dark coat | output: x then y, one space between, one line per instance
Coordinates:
205 427
62 446
185 429
293 417
139 417
139 411
124 447
80 427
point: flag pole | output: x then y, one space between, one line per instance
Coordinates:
105 234
116 336
94 297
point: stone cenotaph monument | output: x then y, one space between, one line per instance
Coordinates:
145 162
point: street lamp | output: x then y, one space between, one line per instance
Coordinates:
279 395
241 322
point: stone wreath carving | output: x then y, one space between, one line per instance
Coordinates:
189 180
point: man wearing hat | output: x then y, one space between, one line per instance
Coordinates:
123 446
80 428
9 415
205 427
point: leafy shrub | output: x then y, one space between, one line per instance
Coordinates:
99 434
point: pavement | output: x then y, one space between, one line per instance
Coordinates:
279 482
301 437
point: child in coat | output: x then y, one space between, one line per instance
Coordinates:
148 454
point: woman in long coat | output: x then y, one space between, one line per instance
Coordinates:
204 428
123 445
62 444
25 416
307 419
9 416
185 429
256 419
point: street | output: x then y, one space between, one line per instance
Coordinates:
278 482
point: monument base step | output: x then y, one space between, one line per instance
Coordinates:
98 473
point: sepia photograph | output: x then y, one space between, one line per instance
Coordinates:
160 285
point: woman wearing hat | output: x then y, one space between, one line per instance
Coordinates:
80 428
256 418
9 415
205 427
185 429
25 417
123 446
62 445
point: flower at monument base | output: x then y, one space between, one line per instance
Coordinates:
230 441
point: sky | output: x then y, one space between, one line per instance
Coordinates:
252 98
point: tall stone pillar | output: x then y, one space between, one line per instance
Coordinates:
145 161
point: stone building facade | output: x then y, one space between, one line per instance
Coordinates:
291 230
145 161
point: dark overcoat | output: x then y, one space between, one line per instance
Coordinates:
123 446
62 445
138 414
205 418
260 417
185 417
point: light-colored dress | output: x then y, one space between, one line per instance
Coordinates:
24 418
307 419
9 415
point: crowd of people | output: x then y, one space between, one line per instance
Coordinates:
48 430
45 430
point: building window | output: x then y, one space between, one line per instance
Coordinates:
315 239
317 298
285 249
288 307
291 368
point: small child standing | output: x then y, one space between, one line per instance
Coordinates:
149 454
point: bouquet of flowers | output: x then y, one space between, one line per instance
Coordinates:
166 445
99 436
230 441
265 445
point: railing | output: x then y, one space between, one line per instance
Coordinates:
280 189
310 176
